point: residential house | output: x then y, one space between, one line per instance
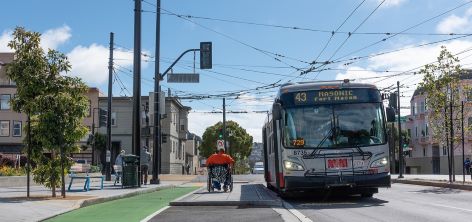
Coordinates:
427 155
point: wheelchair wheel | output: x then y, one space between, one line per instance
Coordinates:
209 185
231 183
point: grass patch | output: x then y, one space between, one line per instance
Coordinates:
127 209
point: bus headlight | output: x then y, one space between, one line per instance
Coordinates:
289 165
379 163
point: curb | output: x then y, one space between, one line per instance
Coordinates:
434 184
89 202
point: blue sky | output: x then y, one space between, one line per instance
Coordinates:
81 30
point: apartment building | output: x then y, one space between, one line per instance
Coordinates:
429 156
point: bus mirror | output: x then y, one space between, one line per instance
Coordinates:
390 114
277 111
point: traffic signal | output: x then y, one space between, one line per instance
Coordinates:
392 100
103 118
205 55
220 134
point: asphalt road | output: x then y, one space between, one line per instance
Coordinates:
402 202
218 214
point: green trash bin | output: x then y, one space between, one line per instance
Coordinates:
130 170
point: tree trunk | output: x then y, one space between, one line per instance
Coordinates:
63 184
53 177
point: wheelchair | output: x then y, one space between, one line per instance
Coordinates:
220 173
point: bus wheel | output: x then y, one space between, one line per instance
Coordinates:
367 195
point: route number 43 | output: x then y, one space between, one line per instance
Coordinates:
300 97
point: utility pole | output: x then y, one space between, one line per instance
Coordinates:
452 139
463 151
447 146
137 86
110 95
224 125
93 134
400 142
156 142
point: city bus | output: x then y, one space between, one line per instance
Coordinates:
327 136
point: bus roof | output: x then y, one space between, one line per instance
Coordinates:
318 85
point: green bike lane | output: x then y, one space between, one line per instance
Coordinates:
133 208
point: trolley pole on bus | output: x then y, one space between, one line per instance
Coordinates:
400 141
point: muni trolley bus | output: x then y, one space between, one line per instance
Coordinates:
327 135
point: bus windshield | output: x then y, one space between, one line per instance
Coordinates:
339 125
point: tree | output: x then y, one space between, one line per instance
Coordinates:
56 110
442 87
240 142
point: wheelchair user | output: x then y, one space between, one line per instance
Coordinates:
216 159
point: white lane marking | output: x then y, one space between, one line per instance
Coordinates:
286 215
154 214
295 212
457 208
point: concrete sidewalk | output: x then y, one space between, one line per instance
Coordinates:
243 194
435 180
14 206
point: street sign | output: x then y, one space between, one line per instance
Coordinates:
183 78
220 144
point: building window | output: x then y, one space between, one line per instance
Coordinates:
444 151
469 96
182 127
416 131
413 109
424 151
5 101
427 129
4 128
422 107
113 118
16 128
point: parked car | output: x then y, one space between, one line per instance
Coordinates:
258 168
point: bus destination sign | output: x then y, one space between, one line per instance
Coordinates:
335 96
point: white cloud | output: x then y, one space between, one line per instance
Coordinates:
403 61
251 121
4 39
53 38
391 3
91 62
454 23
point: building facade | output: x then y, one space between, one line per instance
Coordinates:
427 155
12 123
192 154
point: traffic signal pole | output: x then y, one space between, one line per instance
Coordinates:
400 145
110 89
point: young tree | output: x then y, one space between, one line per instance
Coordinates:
55 103
240 142
443 90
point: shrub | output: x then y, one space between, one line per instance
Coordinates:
5 161
10 171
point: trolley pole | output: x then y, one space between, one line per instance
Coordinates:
156 142
400 140
224 125
137 86
463 150
110 94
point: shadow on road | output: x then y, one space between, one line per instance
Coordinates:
333 201
438 190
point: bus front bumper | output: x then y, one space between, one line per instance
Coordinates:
326 182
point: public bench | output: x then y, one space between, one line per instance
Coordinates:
83 169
